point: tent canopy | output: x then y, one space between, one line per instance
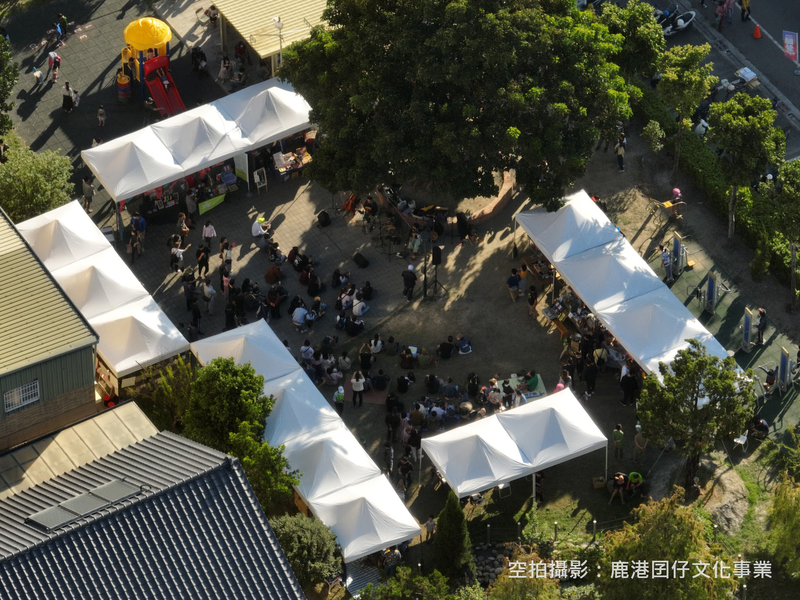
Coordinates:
510 445
340 482
615 283
63 236
328 461
137 335
133 330
183 144
366 517
100 283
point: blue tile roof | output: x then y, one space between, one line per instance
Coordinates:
195 530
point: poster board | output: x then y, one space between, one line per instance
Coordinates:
260 179
242 168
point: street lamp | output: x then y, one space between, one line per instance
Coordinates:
279 26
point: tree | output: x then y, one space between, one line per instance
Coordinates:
702 400
310 547
451 545
785 524
166 394
405 585
223 395
785 213
507 587
265 466
32 183
643 40
9 74
744 128
664 531
449 93
685 83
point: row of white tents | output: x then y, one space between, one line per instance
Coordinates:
339 482
186 143
617 284
134 332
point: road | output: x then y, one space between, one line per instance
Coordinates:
735 47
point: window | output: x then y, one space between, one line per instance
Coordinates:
21 396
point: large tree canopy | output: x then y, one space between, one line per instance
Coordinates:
446 93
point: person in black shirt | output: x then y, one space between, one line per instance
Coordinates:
381 381
202 255
445 349
402 384
409 281
365 357
367 291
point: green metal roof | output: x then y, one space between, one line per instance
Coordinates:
37 320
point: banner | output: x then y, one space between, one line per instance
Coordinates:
240 164
790 45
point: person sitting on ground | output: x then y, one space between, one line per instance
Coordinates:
296 301
531 380
406 359
463 344
392 347
381 381
416 417
343 300
315 285
344 363
450 390
473 385
367 291
239 79
618 487
495 398
353 326
759 428
426 360
359 306
300 318
301 261
306 274
376 344
432 384
333 376
445 349
338 279
318 307
404 381
273 274
341 321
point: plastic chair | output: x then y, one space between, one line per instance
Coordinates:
741 441
202 17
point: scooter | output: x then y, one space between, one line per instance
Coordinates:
681 23
665 17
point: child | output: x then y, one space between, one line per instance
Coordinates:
101 116
76 100
37 75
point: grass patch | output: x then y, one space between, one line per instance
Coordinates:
13 7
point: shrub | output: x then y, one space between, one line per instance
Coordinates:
702 164
759 266
651 108
452 554
310 547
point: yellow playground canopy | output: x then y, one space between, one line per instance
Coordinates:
147 33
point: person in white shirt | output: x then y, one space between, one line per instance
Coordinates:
259 230
306 350
375 344
359 306
208 233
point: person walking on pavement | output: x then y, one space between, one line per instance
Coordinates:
409 281
666 260
88 193
619 441
729 10
139 223
720 12
68 97
338 401
513 285
762 325
745 10
202 256
430 528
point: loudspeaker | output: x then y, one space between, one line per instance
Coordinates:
436 255
324 219
359 259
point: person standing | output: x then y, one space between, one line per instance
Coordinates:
209 297
409 281
358 388
523 278
88 193
619 441
202 255
134 246
745 10
338 401
101 116
532 302
720 13
666 260
140 225
430 528
762 325
619 150
590 377
640 445
208 233
729 11
191 209
513 284
629 386
67 97
181 228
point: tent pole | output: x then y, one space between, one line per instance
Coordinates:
606 462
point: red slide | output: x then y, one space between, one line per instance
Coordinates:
164 97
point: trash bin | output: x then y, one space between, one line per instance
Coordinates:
123 88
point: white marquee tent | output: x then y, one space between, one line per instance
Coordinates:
340 483
134 332
366 517
183 144
617 285
513 444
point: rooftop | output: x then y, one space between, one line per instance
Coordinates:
163 517
37 319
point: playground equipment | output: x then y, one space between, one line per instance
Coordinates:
146 58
